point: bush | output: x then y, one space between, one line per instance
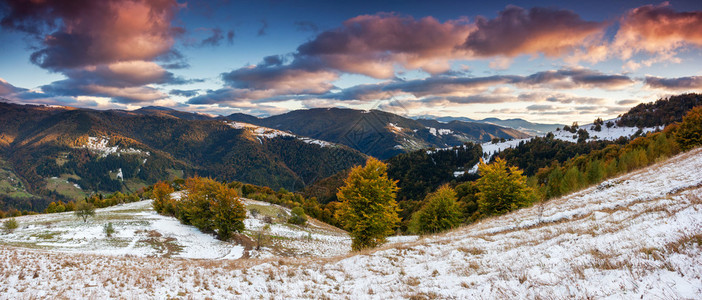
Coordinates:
211 207
108 229
440 212
10 225
298 216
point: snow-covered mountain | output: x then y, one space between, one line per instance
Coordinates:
634 236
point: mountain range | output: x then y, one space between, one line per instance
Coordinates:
519 124
69 153
378 133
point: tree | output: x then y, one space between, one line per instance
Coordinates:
689 134
162 198
211 207
368 210
229 212
84 210
502 188
440 212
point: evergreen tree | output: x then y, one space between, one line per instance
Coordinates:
368 210
439 212
502 189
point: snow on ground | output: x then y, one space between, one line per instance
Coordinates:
638 236
437 132
99 145
606 133
140 231
270 133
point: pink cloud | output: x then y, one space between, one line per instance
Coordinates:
518 31
374 44
85 32
658 30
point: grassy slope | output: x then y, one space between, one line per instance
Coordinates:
638 235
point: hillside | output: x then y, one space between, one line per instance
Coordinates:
71 153
141 232
638 235
377 133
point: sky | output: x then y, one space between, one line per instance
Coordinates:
543 61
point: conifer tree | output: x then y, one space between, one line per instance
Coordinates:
440 212
502 188
368 210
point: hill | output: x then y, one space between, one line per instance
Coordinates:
378 133
634 236
61 153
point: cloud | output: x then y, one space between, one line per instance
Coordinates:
8 89
460 87
86 32
373 44
215 39
104 48
577 78
380 45
184 93
680 83
230 36
517 31
306 26
299 77
657 29
541 107
264 27
627 102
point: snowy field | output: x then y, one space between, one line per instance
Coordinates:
141 232
633 237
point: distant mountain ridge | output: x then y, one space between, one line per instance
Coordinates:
378 133
518 124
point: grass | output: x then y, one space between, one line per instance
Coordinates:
62 186
47 235
10 184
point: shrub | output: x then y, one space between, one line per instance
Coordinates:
109 229
10 225
211 207
298 216
440 212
